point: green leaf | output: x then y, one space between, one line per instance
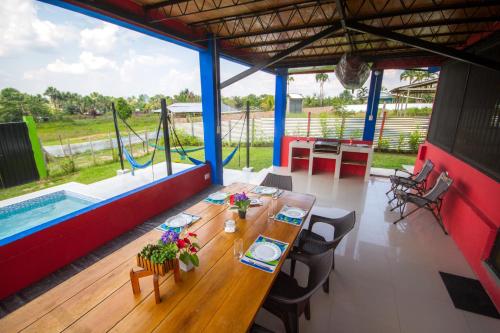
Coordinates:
195 260
196 245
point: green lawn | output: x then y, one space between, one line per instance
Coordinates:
78 130
87 172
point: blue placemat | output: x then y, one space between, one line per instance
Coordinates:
283 218
163 227
216 202
267 266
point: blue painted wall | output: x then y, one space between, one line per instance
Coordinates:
210 99
372 107
279 114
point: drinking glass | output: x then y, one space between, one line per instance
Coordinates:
238 248
271 211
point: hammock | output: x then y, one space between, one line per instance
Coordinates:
176 150
133 163
224 162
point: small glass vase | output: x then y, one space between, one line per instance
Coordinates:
242 214
184 267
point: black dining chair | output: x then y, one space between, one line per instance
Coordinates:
278 181
310 243
288 300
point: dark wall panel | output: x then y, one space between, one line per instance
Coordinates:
466 115
17 164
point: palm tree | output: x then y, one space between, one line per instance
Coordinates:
321 78
288 80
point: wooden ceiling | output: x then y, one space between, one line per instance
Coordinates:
257 30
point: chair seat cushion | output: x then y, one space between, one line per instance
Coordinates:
311 247
397 180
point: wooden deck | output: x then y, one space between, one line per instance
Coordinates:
221 295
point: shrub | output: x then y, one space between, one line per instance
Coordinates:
323 122
123 109
68 166
414 139
401 142
383 144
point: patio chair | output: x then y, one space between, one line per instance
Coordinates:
415 182
279 181
310 243
431 200
288 300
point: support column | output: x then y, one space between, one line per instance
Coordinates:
372 105
279 114
211 105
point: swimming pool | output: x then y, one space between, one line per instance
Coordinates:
26 217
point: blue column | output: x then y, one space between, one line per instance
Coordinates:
279 114
211 99
372 107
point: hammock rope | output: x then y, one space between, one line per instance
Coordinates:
131 160
198 162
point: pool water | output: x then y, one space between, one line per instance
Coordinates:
33 214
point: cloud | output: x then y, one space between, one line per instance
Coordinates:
87 62
101 39
20 28
136 64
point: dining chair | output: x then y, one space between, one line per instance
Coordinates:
279 181
288 300
310 243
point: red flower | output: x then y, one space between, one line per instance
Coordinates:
187 240
193 249
231 199
192 234
181 244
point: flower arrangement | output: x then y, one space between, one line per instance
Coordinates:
170 245
241 202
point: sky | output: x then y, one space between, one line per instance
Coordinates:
42 45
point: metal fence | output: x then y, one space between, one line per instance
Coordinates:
395 133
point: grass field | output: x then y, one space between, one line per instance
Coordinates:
87 172
80 129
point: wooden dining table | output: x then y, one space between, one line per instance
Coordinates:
221 295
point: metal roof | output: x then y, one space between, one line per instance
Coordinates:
259 31
194 108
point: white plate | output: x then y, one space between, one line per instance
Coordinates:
217 196
294 213
255 202
265 251
176 221
268 190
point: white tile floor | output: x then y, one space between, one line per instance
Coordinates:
387 276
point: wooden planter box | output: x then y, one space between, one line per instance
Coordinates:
149 268
160 269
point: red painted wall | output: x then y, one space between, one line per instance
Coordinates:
35 256
470 211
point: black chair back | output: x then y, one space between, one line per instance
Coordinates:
278 181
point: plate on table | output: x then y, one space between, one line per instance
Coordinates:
265 251
217 196
294 213
255 202
177 221
268 190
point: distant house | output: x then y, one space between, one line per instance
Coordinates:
294 103
193 109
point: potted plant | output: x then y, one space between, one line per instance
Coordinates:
160 258
188 247
171 248
241 202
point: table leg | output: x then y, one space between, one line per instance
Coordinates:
177 272
134 279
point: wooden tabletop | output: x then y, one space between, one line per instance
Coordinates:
221 295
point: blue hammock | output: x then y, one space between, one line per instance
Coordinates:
224 162
133 162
